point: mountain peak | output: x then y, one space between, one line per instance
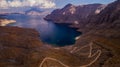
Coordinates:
34 9
68 5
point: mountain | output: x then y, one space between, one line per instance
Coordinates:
34 11
74 14
100 27
104 28
111 13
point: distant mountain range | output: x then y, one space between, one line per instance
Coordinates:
34 11
27 11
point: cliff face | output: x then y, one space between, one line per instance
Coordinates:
74 14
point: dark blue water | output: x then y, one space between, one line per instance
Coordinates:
51 33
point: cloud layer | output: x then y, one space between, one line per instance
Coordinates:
27 3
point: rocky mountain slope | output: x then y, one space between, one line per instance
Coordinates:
15 46
102 28
74 14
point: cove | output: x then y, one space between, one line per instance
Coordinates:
50 33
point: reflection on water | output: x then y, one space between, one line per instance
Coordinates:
51 33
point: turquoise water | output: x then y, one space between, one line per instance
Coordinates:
51 33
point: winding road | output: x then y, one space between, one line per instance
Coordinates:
75 49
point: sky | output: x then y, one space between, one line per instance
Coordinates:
61 3
45 4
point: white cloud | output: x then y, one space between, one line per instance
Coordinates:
26 3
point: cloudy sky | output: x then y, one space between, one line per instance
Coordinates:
25 3
43 4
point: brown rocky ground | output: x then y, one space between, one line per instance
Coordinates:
15 45
22 48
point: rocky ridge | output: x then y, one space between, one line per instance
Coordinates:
74 14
